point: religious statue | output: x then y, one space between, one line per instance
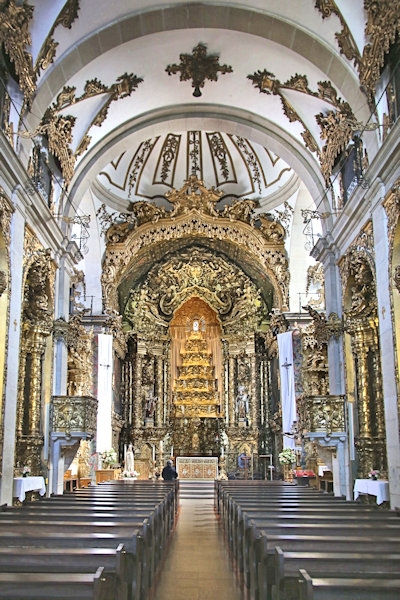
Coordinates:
150 405
242 402
129 459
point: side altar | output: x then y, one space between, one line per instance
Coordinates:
197 467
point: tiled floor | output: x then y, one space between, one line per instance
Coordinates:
197 566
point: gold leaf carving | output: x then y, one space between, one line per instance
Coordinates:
15 36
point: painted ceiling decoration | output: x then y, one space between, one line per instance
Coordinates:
229 162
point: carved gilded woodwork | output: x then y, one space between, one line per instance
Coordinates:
322 413
195 217
58 127
392 208
277 324
15 18
36 327
381 28
362 324
67 16
346 42
79 341
316 280
336 124
197 67
6 212
194 272
73 414
195 392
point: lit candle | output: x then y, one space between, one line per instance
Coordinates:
154 452
172 450
222 452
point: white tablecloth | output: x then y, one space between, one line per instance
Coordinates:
28 484
380 489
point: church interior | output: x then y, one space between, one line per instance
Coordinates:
200 242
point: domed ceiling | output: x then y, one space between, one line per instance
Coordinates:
234 165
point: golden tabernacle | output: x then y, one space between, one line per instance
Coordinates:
195 390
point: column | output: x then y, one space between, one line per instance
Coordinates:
387 351
14 333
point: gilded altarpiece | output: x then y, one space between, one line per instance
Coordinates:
392 207
229 263
6 211
363 352
35 353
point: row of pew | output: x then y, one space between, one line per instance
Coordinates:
103 542
295 543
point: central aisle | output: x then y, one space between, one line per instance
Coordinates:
197 565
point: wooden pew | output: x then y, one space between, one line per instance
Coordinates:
70 561
63 586
340 588
328 564
262 560
257 518
141 517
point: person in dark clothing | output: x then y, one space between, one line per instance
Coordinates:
168 472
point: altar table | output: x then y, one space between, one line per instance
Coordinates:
197 467
378 488
28 484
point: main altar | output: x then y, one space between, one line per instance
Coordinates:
197 467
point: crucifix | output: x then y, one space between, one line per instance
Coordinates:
286 365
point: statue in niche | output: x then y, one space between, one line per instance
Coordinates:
195 442
150 408
242 402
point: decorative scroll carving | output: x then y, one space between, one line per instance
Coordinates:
195 272
278 324
324 329
194 215
67 16
6 211
322 414
198 67
361 322
316 280
58 127
345 40
74 414
392 207
15 37
114 325
336 125
382 27
38 296
79 342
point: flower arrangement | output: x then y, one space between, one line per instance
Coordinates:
287 456
26 471
109 457
130 474
373 474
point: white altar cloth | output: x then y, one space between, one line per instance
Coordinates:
378 488
28 484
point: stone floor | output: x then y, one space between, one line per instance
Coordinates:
197 565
